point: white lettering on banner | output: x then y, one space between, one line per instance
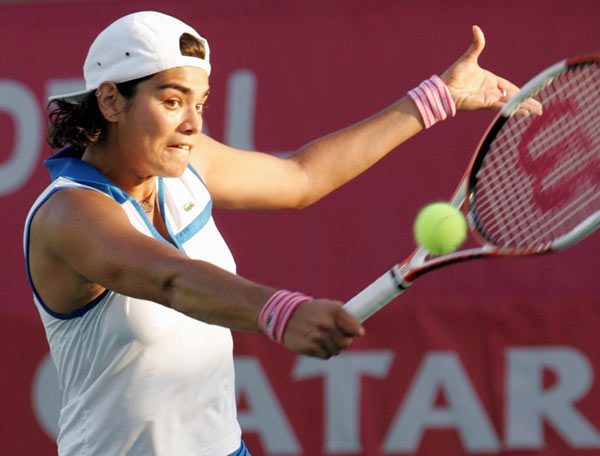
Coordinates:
264 414
529 404
18 101
240 109
342 394
441 372
59 86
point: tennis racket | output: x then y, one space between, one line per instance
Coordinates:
533 185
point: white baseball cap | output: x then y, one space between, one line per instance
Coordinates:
137 45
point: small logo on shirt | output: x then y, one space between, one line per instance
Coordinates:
188 207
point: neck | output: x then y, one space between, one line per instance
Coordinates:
116 170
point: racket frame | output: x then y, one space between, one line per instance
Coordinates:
397 279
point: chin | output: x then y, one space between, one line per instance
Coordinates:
175 167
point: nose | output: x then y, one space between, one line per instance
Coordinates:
192 122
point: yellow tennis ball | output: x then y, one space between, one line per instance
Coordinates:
440 228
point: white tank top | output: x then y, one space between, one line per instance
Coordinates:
137 377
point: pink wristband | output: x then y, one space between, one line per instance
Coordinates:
433 100
276 312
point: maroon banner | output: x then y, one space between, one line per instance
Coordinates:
490 358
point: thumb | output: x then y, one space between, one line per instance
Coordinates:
476 46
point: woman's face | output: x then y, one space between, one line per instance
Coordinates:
159 125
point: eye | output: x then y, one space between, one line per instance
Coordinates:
173 103
201 107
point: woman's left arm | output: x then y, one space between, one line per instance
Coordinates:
252 180
240 179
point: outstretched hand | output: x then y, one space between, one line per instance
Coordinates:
473 87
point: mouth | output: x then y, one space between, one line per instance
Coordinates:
185 147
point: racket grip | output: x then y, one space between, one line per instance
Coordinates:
376 295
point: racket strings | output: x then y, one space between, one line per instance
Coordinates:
541 175
535 227
585 199
511 203
514 218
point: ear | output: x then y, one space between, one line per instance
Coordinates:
110 102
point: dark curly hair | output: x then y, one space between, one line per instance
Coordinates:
81 125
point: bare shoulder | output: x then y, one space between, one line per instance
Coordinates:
82 242
57 236
70 213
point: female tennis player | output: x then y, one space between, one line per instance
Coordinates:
134 284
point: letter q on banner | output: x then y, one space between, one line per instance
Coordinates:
20 104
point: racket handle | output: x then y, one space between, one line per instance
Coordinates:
376 295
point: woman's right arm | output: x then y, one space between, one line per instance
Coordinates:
91 240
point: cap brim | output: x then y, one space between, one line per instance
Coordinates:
72 97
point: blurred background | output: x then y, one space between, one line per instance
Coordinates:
495 357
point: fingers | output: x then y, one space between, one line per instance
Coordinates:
337 334
347 324
327 345
321 328
507 90
501 94
530 106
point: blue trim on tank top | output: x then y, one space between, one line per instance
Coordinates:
67 163
241 451
195 225
82 310
198 223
